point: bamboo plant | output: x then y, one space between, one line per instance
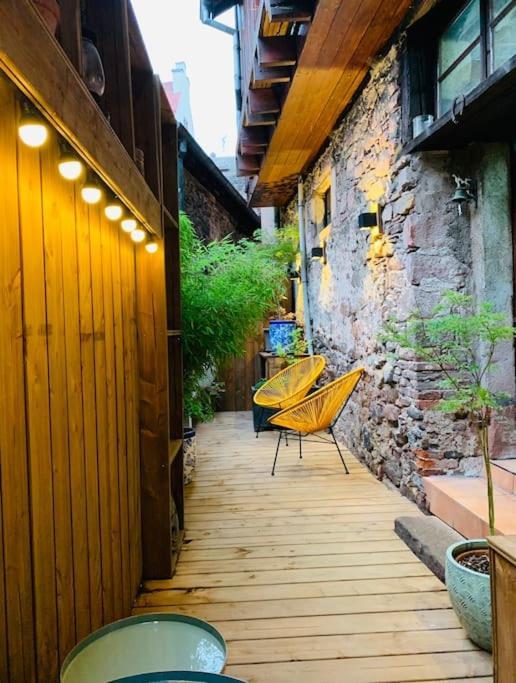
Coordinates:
460 339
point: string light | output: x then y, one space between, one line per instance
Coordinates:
113 211
32 130
138 235
70 167
129 224
91 192
151 246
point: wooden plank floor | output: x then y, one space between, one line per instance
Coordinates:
303 573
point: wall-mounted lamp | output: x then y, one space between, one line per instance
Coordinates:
70 167
319 253
372 221
465 191
32 129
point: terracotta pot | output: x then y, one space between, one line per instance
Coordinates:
51 13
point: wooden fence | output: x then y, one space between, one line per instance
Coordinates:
70 529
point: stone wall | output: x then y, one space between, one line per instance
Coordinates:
390 422
210 219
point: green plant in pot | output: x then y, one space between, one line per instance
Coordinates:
460 339
227 289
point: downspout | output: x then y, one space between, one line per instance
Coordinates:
304 270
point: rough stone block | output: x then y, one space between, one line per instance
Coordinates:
428 538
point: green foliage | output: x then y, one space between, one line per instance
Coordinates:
297 347
460 340
227 288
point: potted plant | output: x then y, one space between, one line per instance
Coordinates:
227 289
460 340
260 414
282 326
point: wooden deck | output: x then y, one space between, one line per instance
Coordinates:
303 573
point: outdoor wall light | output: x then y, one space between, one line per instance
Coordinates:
319 253
151 246
91 191
113 210
32 130
129 225
372 221
138 235
367 220
465 191
70 167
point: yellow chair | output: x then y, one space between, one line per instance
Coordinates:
289 385
316 413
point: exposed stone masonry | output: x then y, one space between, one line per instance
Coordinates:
390 423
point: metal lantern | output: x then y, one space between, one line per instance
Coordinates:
93 70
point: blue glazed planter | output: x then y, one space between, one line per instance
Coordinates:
470 594
281 333
178 677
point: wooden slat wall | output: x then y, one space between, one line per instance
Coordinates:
239 376
70 528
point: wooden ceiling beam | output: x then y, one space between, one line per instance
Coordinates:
277 51
257 136
298 11
266 76
263 101
259 119
247 165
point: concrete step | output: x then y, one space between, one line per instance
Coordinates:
504 474
461 502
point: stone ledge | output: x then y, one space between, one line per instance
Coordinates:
428 538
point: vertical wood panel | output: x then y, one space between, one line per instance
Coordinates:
121 417
112 431
53 226
75 410
89 412
101 411
38 409
13 450
4 664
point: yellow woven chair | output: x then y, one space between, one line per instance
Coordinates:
289 385
316 413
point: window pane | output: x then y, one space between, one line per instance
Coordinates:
466 75
504 39
459 35
497 6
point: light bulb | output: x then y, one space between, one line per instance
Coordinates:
129 224
138 235
32 132
91 193
113 211
151 246
70 168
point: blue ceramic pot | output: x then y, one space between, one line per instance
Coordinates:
281 333
470 594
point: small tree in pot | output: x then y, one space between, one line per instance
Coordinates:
460 340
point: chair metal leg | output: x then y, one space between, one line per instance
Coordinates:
260 422
337 445
300 446
277 451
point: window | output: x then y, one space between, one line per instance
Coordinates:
453 49
327 207
473 45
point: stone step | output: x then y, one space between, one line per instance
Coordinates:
461 502
504 474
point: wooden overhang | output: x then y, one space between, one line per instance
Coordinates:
50 78
334 50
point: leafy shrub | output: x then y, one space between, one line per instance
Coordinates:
227 289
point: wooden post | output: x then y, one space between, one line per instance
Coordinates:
502 551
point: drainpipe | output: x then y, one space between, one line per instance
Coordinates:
304 269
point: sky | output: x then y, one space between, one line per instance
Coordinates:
173 32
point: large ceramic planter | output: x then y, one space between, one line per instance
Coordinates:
189 454
281 334
470 594
143 644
